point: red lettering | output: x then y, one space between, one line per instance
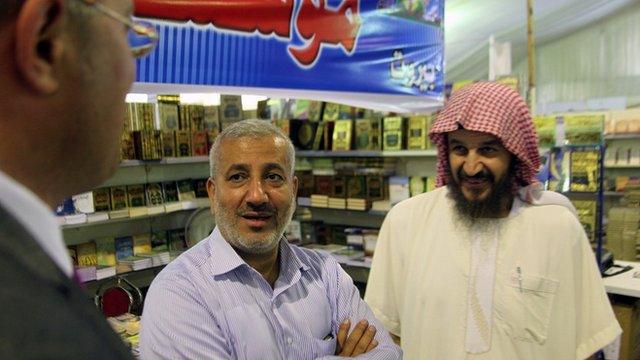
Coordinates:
319 25
265 16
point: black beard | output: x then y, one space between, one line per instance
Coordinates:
501 193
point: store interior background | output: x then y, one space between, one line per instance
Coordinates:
587 59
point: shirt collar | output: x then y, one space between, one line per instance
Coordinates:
37 218
227 260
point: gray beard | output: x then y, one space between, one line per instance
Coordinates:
227 223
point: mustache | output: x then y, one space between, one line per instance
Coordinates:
257 210
482 175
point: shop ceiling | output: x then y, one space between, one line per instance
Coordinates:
470 23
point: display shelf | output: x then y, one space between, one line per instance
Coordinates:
140 278
369 218
623 284
622 136
358 270
136 225
622 166
360 153
614 193
166 161
186 206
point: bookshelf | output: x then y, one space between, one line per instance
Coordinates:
360 154
371 218
186 206
359 272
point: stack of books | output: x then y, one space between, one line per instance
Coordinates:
321 201
135 263
158 258
103 272
337 203
86 273
357 204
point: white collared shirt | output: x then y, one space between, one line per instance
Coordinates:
37 218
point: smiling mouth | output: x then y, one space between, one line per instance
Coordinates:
257 220
475 183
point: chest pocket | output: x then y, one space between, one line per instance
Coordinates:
526 307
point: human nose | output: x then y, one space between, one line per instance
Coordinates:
472 164
256 194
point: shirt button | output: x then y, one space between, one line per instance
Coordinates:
289 341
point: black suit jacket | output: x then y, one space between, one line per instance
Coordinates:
43 313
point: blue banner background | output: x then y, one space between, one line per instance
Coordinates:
188 53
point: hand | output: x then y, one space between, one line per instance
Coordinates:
360 341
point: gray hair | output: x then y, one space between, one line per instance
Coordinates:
253 128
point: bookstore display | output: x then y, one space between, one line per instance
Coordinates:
365 182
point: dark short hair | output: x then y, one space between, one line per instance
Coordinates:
9 9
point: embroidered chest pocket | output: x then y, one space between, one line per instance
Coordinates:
526 307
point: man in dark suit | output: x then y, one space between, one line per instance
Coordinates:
65 67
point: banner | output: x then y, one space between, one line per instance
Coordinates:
381 54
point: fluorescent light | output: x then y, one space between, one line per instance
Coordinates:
250 102
200 98
137 98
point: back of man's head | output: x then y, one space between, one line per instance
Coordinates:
9 9
495 109
65 68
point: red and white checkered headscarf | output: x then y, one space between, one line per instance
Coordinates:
494 109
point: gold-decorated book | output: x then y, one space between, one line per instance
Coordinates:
211 119
183 143
128 151
154 194
368 134
136 195
331 111
101 199
199 143
168 143
184 117
356 187
393 134
375 187
417 134
119 199
168 116
197 118
87 254
342 135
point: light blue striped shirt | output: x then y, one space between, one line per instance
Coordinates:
209 304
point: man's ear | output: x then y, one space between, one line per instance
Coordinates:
295 186
211 192
38 45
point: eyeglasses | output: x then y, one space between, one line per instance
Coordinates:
142 36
